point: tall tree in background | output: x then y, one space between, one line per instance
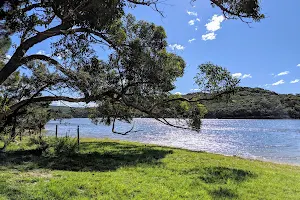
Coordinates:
12 91
139 73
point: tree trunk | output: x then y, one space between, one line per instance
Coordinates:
9 68
12 135
15 62
2 149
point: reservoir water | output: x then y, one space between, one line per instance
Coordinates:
269 140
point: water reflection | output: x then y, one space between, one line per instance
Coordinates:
275 140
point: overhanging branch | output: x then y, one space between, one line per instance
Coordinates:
47 99
98 34
15 61
44 58
192 99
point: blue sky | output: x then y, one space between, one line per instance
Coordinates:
265 55
268 51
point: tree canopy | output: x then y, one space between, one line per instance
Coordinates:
138 74
17 87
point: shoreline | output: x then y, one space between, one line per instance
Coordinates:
267 140
196 151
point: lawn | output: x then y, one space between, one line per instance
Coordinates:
109 169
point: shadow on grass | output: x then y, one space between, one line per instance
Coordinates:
222 175
93 156
223 193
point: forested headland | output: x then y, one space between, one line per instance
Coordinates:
245 103
255 103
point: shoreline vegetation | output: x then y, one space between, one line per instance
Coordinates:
111 169
245 103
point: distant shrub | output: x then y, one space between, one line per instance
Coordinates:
42 143
62 146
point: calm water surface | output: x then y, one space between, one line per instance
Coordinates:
272 140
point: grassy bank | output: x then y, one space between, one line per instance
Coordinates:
107 169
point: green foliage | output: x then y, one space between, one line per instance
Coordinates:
214 79
40 142
185 105
254 103
36 117
5 44
93 13
13 91
234 9
62 146
202 109
108 169
54 147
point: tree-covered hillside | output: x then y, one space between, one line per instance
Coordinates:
59 112
245 103
254 103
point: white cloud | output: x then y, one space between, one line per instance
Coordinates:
298 65
240 75
176 46
191 40
274 84
192 13
295 81
178 93
196 28
7 57
209 36
278 82
191 22
212 27
237 75
195 90
283 73
215 23
247 76
42 52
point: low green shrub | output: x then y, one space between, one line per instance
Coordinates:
42 143
62 146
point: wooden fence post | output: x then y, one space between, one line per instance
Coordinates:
78 137
56 131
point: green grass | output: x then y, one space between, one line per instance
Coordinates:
108 169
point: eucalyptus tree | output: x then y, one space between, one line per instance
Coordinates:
139 72
94 21
17 88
